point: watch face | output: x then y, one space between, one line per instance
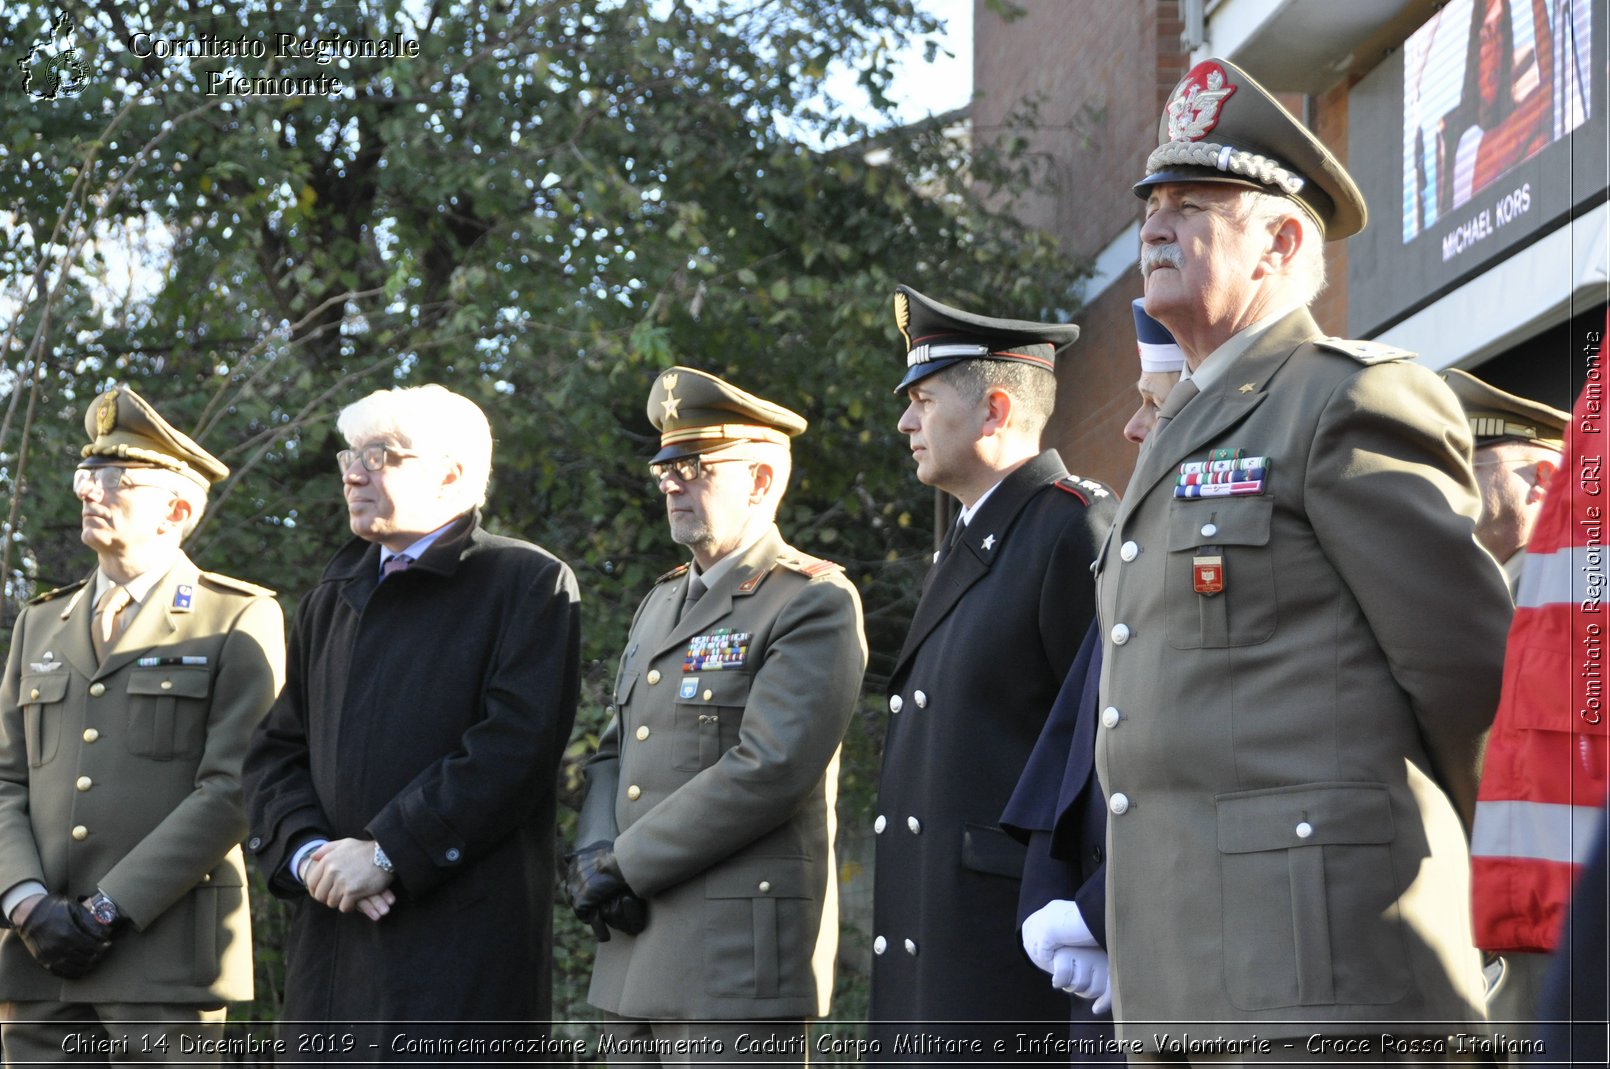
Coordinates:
104 909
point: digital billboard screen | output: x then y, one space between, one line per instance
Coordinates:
1497 107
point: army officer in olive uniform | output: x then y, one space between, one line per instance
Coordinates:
127 703
1303 637
705 853
1001 616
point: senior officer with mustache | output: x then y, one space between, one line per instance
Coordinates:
125 712
705 858
1303 637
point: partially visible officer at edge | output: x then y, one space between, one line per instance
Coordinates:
1057 809
1303 637
125 712
1517 890
402 789
998 624
705 844
1516 454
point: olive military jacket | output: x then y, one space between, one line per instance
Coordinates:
127 776
1301 679
720 770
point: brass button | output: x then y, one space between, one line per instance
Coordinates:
166 684
765 887
207 878
80 833
33 695
709 694
84 783
97 689
642 733
653 676
90 734
634 792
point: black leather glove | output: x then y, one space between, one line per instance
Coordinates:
591 881
626 913
64 938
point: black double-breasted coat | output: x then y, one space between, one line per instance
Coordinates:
999 622
428 712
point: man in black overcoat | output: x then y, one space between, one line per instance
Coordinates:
401 790
1000 619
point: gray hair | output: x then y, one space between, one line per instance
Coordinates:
1307 272
433 421
1033 389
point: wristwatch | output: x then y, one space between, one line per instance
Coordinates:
382 862
103 909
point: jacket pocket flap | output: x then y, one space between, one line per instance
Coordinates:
988 849
760 877
44 687
713 688
171 682
1316 814
1243 522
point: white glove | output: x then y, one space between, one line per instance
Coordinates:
1056 924
1082 971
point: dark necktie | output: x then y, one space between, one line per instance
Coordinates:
397 563
696 589
1177 399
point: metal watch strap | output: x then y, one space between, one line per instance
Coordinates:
103 909
383 862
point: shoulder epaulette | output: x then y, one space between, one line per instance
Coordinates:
1365 352
809 566
52 595
1083 489
675 573
229 582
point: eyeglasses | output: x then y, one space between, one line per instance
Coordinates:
687 469
373 456
110 480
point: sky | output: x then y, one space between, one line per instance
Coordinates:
925 89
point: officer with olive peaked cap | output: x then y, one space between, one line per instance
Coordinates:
998 624
704 855
125 711
1303 638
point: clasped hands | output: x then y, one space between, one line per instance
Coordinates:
61 934
342 874
599 893
1059 942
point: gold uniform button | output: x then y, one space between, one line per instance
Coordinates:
709 694
90 734
166 684
85 783
33 695
80 833
642 733
653 676
765 887
207 878
97 689
634 792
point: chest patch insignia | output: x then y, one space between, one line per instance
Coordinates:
1207 575
1227 473
690 687
183 596
718 651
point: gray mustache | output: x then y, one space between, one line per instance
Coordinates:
1154 256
